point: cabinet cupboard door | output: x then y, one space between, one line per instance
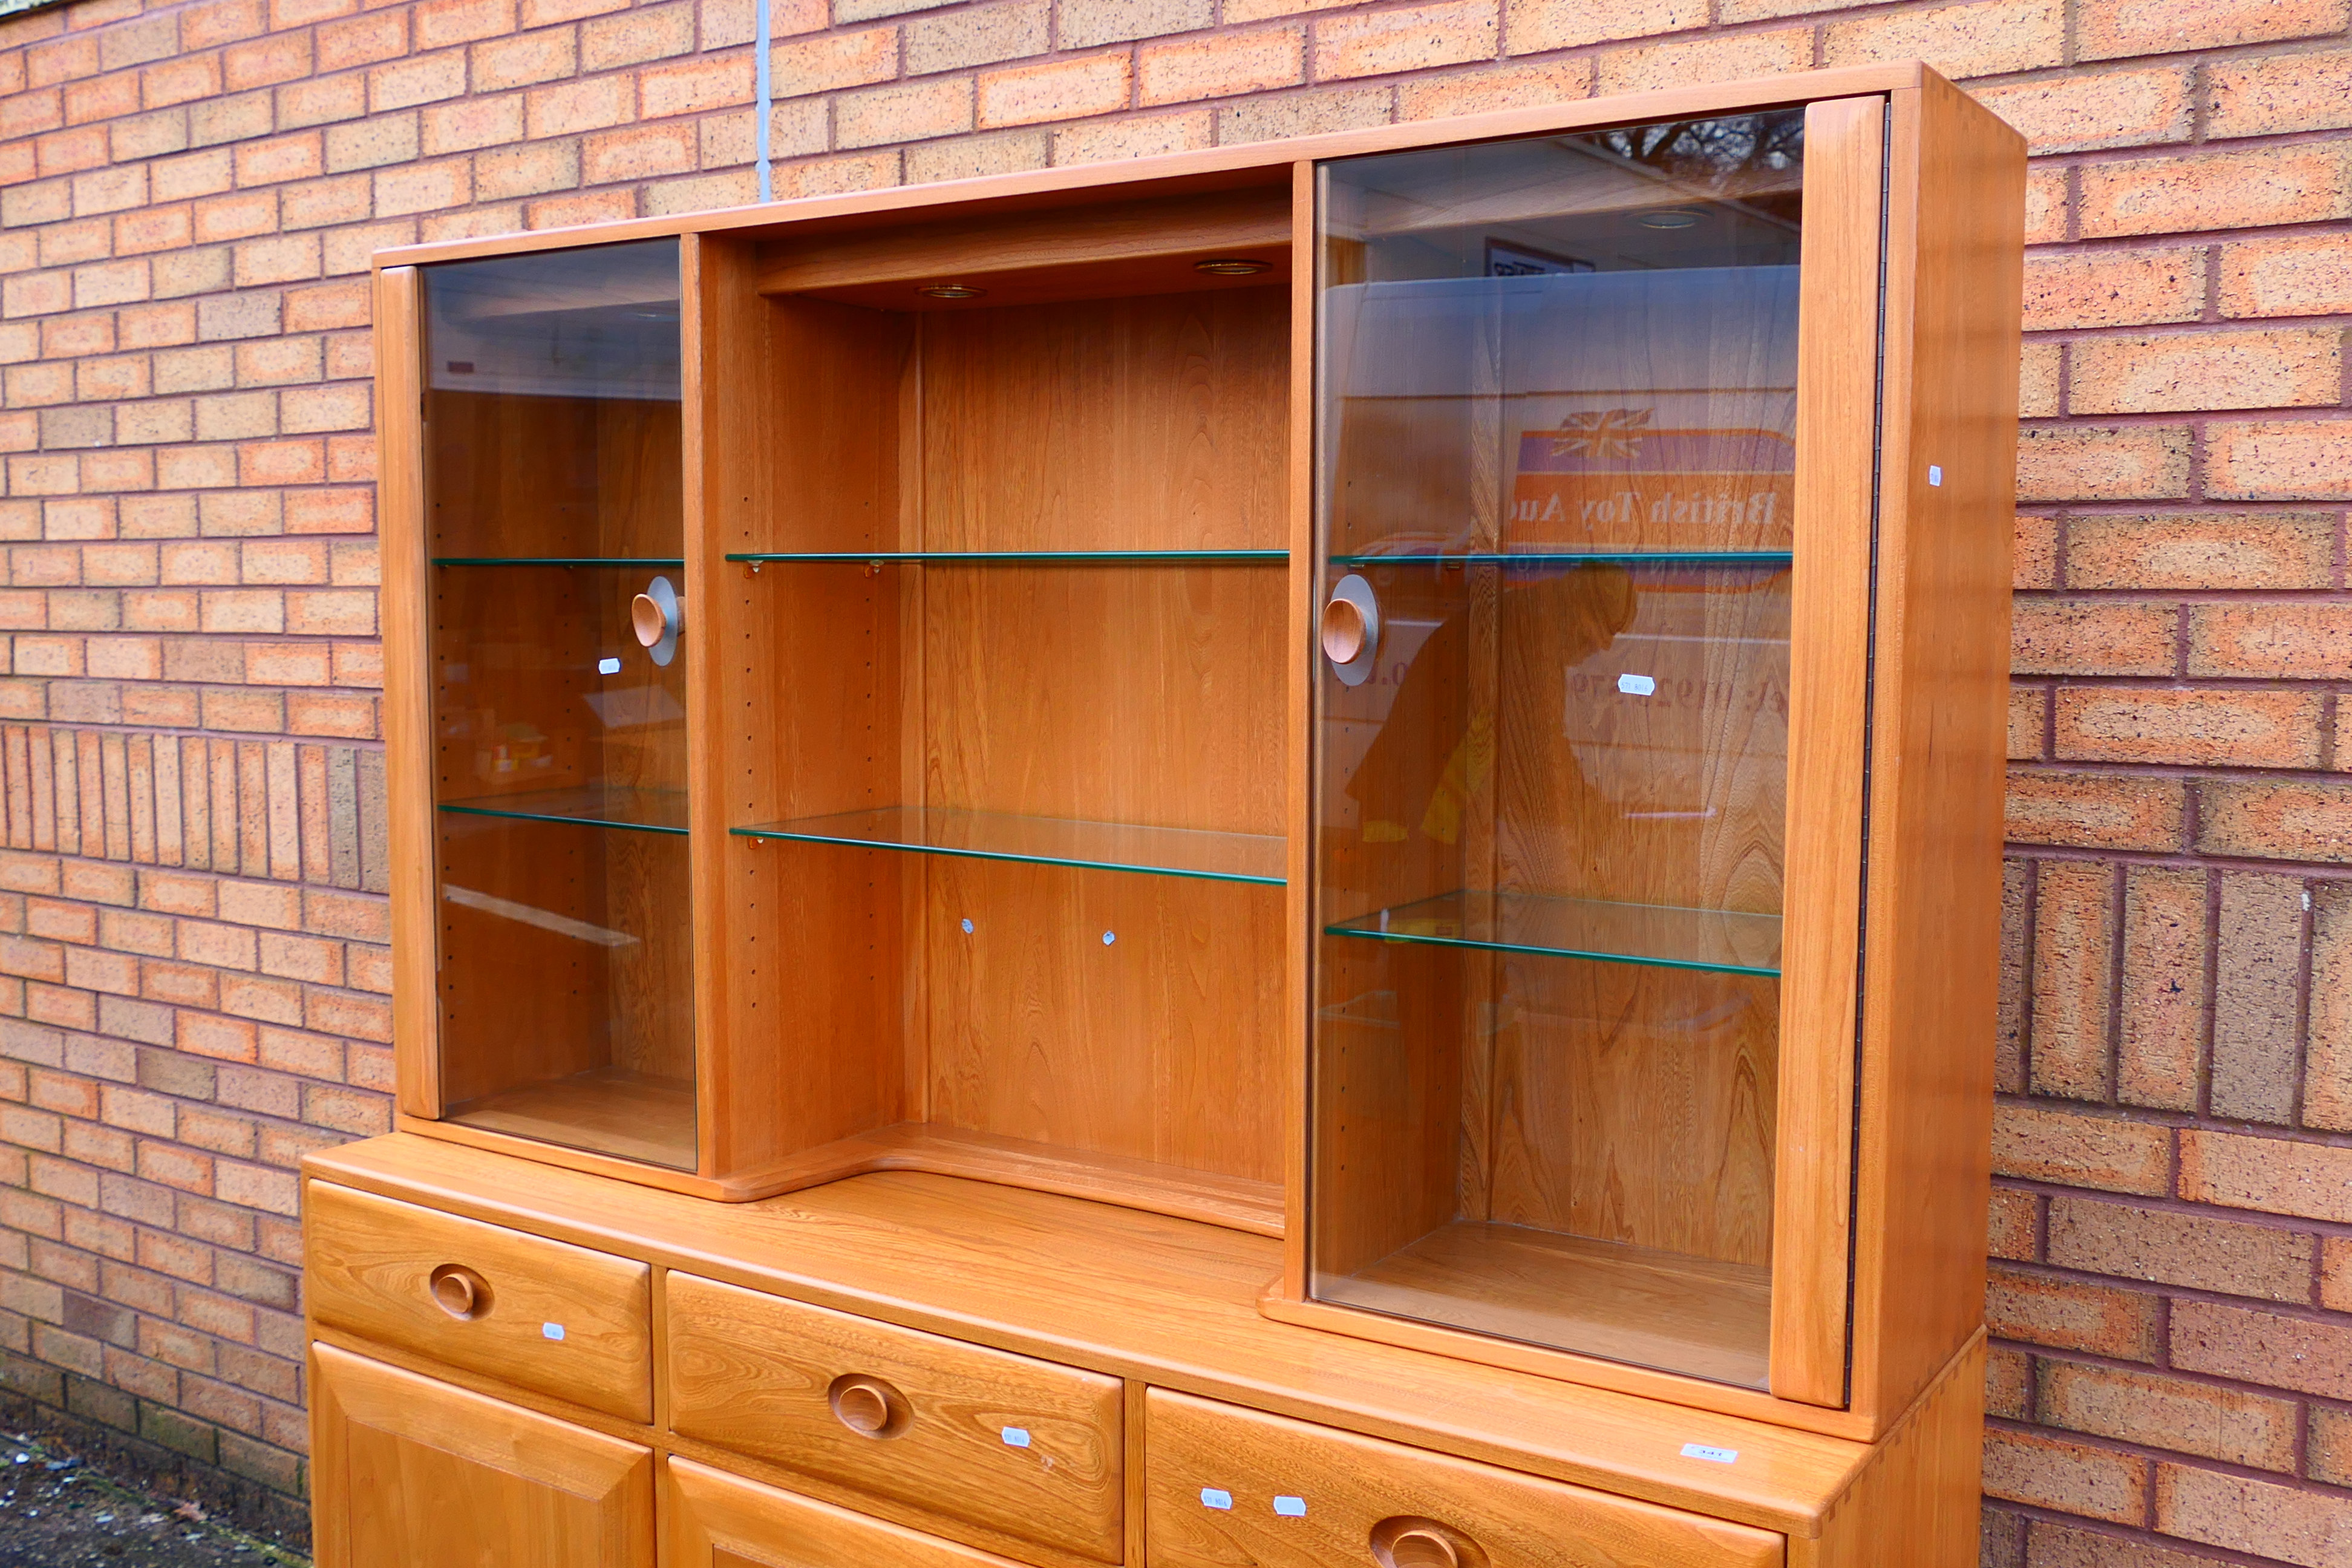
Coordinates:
715 1521
411 1473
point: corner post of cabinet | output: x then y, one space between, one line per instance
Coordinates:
1829 696
703 547
399 351
1298 904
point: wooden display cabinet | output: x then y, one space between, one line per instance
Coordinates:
1385 747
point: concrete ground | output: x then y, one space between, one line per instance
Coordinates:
57 1512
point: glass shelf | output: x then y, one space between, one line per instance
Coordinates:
671 561
643 810
1044 841
1575 557
1718 941
1016 557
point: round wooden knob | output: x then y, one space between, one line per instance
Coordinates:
460 1292
1408 1541
1419 1548
1343 630
868 1406
648 620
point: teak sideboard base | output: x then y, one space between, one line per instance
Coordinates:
551 1369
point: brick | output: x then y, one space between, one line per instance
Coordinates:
905 112
2212 728
2280 460
1517 86
2293 183
636 36
2166 1247
2073 1478
2259 941
2230 1424
2071 1314
690 87
2331 1447
1140 136
2278 1522
2278 94
2103 463
2074 923
2327 1070
2279 369
1090 24
1990 38
2275 1175
2163 987
2111 29
2278 550
834 62
574 107
2084 110
2095 811
1222 65
531 57
1303 114
1539 26
2303 275
1729 59
968 157
2290 641
1378 42
2033 551
976 35
1060 89
2047 1144
2106 636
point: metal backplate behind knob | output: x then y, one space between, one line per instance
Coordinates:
658 617
1350 629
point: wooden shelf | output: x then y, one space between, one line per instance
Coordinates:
1631 1304
1233 1202
628 1115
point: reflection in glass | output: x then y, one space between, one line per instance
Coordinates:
554 494
1554 434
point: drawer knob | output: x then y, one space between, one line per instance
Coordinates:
459 1292
868 1407
1410 1543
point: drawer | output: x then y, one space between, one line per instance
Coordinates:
1226 1486
716 1520
543 1315
1001 1441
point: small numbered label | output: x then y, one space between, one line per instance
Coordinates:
552 1331
1016 1437
1712 1455
1213 1497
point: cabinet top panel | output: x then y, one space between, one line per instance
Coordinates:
1264 162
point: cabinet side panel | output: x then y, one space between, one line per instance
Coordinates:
1829 661
407 727
1940 684
799 452
1915 1503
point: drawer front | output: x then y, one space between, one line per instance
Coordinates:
543 1315
999 1440
718 1520
1227 1487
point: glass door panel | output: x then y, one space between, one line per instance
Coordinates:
555 520
1556 473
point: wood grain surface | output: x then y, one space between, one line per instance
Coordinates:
1007 1441
1221 1477
714 1520
368 1268
408 1470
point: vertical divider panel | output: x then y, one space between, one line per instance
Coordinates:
407 718
702 409
1298 904
1829 670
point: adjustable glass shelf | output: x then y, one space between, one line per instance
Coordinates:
1718 941
1575 557
1015 557
643 810
671 561
1044 841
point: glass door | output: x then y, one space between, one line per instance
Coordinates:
554 517
1555 484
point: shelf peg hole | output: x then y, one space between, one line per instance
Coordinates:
1408 1540
459 1292
868 1406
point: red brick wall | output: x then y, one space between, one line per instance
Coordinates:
190 890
